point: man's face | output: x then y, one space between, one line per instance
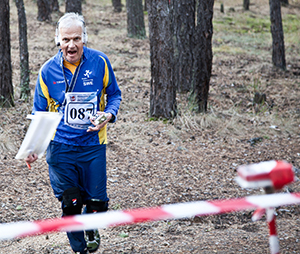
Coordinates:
71 43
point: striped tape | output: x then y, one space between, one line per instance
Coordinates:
117 218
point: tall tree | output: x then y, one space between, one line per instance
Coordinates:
135 19
163 92
73 6
24 55
6 86
246 4
285 2
44 11
54 5
184 29
146 5
202 55
278 52
117 5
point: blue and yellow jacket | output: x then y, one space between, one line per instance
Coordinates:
95 74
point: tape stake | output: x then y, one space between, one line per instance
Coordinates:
273 238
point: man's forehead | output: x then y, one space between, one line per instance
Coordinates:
71 31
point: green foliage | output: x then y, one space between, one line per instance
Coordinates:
257 25
291 28
291 24
165 121
25 92
229 49
153 119
19 208
242 33
255 29
5 102
242 24
123 234
256 86
193 105
116 207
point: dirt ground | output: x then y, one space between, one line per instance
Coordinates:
151 163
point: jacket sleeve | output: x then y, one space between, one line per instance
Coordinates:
41 99
113 93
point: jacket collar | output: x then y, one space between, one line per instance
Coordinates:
59 55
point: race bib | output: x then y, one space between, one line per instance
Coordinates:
78 107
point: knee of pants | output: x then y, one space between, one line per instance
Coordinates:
96 206
71 201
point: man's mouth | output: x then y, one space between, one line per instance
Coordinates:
72 52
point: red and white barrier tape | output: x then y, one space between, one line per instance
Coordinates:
267 173
117 218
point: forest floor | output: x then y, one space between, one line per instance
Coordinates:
191 158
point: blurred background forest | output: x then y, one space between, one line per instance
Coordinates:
158 160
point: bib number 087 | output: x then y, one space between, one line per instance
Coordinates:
78 112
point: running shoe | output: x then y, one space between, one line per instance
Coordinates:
92 240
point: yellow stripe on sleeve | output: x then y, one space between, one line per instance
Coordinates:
102 133
44 89
106 74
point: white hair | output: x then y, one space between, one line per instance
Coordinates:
68 20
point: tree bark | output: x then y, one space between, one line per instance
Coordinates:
6 86
285 2
73 6
24 55
54 6
203 55
222 8
135 19
184 28
117 5
163 92
146 5
44 11
278 51
246 4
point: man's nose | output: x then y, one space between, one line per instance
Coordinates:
72 43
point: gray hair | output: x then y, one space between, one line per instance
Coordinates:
68 20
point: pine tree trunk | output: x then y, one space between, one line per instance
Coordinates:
73 6
184 27
54 6
44 11
163 92
6 87
246 5
203 55
278 53
135 19
285 2
146 5
117 5
24 55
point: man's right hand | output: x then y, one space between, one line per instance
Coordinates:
31 158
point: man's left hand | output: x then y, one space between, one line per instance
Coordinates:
99 126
